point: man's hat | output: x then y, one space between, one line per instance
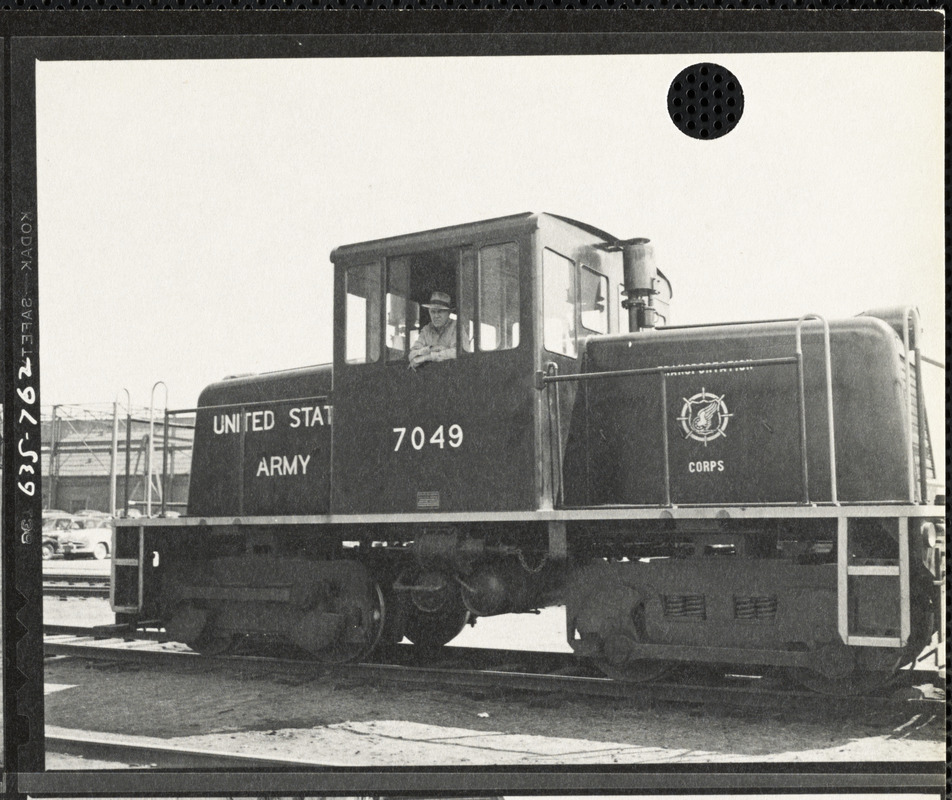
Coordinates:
439 300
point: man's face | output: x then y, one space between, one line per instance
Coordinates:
439 317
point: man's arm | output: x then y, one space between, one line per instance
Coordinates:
422 341
441 353
420 349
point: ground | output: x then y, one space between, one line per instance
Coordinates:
344 721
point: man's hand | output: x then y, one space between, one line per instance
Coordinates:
420 357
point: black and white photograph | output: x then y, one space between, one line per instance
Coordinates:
410 408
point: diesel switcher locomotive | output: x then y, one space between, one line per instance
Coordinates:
758 493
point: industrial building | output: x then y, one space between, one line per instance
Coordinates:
98 456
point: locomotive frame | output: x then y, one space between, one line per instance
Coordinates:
391 534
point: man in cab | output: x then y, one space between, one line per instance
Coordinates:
437 339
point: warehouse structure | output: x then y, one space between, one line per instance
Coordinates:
110 458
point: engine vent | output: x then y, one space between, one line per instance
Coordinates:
756 607
684 606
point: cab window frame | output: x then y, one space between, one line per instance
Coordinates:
391 262
479 322
372 340
472 285
393 355
572 334
605 284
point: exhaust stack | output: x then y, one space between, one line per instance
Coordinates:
640 276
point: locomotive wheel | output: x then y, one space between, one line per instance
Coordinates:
434 630
213 643
372 631
640 671
842 674
856 683
847 671
618 665
610 621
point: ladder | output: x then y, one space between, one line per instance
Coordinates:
847 570
128 556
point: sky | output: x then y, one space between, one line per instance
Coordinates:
187 209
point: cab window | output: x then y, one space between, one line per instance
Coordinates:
402 313
558 286
362 313
499 296
593 291
411 281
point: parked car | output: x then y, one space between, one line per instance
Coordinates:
87 537
51 546
57 521
54 524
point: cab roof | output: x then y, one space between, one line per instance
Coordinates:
526 216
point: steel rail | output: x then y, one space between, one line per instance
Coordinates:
75 577
142 751
105 632
76 585
72 590
726 692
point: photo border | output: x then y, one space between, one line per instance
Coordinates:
36 36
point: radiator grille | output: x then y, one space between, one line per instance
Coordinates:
684 606
757 607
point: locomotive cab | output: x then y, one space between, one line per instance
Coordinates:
469 433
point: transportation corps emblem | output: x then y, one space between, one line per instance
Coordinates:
704 417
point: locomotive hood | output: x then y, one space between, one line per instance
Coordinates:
711 415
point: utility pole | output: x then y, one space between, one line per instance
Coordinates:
53 465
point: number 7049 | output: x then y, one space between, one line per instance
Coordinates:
442 436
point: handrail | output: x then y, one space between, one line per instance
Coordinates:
177 411
727 324
910 472
114 452
145 421
664 439
165 461
556 473
911 317
829 396
148 455
671 368
546 377
125 484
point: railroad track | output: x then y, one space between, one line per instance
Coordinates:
496 671
76 585
142 751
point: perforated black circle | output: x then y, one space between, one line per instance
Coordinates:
705 101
